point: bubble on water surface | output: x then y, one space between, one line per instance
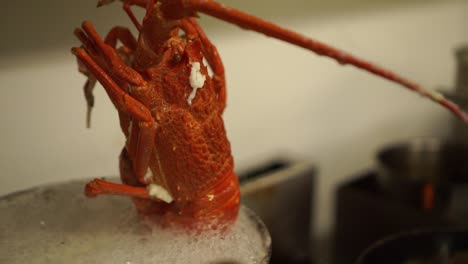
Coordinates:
58 224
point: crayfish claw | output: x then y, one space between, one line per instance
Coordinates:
92 189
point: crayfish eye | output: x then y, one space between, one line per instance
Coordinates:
176 58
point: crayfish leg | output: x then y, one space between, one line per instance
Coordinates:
97 47
88 88
140 146
122 34
132 16
88 91
97 187
141 3
143 140
117 33
144 205
121 99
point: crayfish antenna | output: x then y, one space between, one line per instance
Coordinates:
450 105
250 22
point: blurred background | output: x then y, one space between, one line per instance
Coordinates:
281 99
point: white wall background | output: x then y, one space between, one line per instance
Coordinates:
280 98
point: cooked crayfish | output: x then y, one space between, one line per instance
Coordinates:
176 163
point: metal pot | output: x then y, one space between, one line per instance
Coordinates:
280 191
390 200
430 246
461 91
406 169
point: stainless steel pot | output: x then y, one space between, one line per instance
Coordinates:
461 91
405 169
280 191
424 246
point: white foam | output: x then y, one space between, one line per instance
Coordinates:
197 80
107 230
159 192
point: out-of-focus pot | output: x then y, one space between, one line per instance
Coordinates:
405 169
280 191
429 246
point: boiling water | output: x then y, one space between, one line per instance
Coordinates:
57 224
